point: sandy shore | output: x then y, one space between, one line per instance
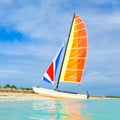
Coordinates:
20 94
29 96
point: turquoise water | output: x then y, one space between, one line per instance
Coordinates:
105 109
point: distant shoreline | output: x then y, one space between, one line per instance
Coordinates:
30 94
20 93
16 90
26 96
33 96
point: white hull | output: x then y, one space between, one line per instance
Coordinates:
57 94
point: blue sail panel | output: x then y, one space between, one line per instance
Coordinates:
51 71
58 59
47 80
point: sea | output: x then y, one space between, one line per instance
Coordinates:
52 109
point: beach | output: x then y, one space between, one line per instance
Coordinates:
20 94
29 94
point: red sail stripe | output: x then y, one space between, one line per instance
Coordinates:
50 71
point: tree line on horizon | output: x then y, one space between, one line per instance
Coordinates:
14 87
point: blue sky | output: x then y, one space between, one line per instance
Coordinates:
32 31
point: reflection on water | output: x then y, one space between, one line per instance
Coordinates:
101 109
57 110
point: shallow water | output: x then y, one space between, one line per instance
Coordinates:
105 109
102 109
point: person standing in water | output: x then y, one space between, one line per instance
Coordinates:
88 95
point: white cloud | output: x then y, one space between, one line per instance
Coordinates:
2 71
35 20
113 2
5 73
40 51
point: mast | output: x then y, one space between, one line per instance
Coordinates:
65 53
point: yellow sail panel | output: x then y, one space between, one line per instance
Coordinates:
76 51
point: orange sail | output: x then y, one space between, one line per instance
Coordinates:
75 53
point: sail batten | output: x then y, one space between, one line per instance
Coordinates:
75 69
76 48
79 37
76 52
80 23
80 30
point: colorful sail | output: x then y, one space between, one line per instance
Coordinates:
75 54
49 76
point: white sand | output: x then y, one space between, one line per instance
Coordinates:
29 96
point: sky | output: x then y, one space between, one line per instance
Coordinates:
32 31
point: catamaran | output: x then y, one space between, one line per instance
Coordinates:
72 65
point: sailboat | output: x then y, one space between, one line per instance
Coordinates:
72 65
